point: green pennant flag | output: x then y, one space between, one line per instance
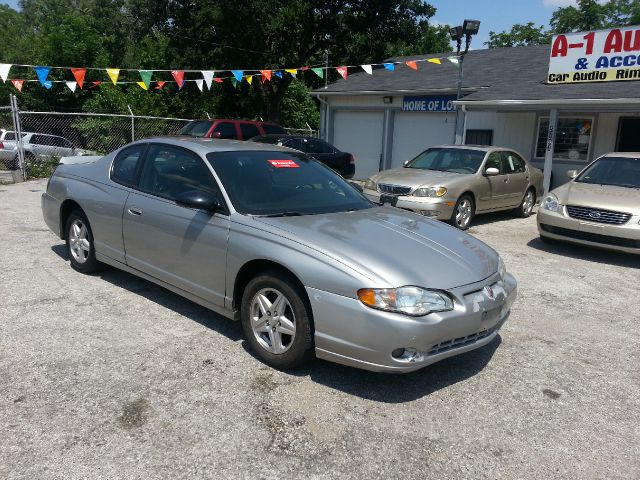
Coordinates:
234 82
318 71
146 76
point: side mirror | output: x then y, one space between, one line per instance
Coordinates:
491 172
572 174
199 200
404 164
216 135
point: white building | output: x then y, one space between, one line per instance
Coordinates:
388 117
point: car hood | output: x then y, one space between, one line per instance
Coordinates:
606 197
415 177
395 246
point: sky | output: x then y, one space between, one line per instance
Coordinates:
495 15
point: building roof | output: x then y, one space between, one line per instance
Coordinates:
513 73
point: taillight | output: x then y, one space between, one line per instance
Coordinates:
1 145
352 160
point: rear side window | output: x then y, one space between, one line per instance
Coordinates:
125 165
10 136
269 129
226 130
249 130
40 140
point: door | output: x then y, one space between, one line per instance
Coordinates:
497 195
360 133
629 135
414 132
181 246
225 130
518 177
248 130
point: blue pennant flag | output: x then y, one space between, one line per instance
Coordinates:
43 73
238 74
390 66
278 73
47 84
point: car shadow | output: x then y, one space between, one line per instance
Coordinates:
379 387
583 252
494 217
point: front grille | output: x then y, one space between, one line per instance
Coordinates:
598 215
592 237
393 189
463 341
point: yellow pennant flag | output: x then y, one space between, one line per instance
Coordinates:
249 79
113 74
292 71
435 60
142 85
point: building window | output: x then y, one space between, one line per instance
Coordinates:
573 138
479 137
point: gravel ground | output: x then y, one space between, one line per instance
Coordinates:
110 376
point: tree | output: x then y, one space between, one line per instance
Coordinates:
518 36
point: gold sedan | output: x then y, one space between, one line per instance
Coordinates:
600 207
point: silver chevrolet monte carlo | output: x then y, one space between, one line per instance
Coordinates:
268 236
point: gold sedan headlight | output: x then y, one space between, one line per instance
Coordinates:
434 192
370 185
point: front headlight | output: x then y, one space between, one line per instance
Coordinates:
370 185
430 192
502 269
413 301
550 202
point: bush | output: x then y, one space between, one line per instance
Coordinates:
41 167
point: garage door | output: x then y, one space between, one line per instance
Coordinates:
414 132
360 133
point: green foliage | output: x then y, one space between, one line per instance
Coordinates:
586 15
298 108
41 167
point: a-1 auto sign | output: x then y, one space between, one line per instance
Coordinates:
599 56
429 104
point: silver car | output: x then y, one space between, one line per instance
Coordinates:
268 236
456 182
36 146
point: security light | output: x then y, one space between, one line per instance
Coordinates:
456 33
470 27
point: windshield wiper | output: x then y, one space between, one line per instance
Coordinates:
283 214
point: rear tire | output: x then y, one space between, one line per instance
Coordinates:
463 212
276 320
80 245
526 206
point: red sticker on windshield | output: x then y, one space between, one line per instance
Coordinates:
284 163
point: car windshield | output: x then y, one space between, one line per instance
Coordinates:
283 184
195 128
617 171
454 160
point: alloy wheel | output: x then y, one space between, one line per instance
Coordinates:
527 203
273 321
79 241
463 213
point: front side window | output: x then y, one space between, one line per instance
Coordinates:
125 165
621 172
170 171
283 184
494 160
226 130
513 162
573 138
454 160
270 129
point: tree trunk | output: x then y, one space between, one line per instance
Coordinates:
272 95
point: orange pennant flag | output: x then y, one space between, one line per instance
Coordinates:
266 74
411 64
78 74
18 84
343 71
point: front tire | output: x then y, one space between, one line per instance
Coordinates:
463 212
80 245
526 207
276 321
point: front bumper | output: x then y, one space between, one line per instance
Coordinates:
438 208
350 333
559 226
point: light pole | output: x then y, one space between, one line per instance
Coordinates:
466 31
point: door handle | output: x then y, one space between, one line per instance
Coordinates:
135 211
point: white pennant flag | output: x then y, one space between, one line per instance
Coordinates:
199 83
367 68
72 85
208 77
4 71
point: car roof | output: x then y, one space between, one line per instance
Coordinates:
622 155
483 148
211 120
208 145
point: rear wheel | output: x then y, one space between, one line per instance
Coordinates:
277 321
526 207
463 212
80 247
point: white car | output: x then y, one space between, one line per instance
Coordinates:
36 145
